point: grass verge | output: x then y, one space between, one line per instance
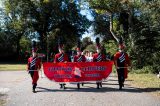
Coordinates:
146 82
2 99
12 67
2 102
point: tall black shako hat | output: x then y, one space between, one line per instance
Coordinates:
34 47
98 45
78 46
60 43
121 44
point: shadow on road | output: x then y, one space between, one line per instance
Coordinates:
112 87
115 80
74 89
89 88
102 90
149 89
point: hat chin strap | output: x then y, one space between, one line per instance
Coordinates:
120 50
61 51
34 54
78 53
98 51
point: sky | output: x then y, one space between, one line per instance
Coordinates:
1 3
85 11
90 32
1 19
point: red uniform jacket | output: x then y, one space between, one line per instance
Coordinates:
99 57
61 57
34 63
79 58
122 60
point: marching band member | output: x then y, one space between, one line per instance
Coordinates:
98 57
34 64
122 61
61 57
79 58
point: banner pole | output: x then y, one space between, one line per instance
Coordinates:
41 66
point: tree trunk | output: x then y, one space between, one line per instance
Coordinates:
131 15
111 28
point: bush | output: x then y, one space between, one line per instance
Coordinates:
144 70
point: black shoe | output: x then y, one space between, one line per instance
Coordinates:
33 90
82 84
78 86
98 86
61 86
120 87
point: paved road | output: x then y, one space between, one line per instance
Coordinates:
17 86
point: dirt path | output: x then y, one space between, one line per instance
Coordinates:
16 86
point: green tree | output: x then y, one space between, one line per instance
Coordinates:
113 10
91 48
85 42
45 16
141 34
145 35
15 24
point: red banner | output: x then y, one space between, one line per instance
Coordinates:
77 72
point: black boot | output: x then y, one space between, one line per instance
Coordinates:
123 82
123 85
97 85
78 86
33 88
100 84
82 84
34 91
61 86
64 86
120 86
